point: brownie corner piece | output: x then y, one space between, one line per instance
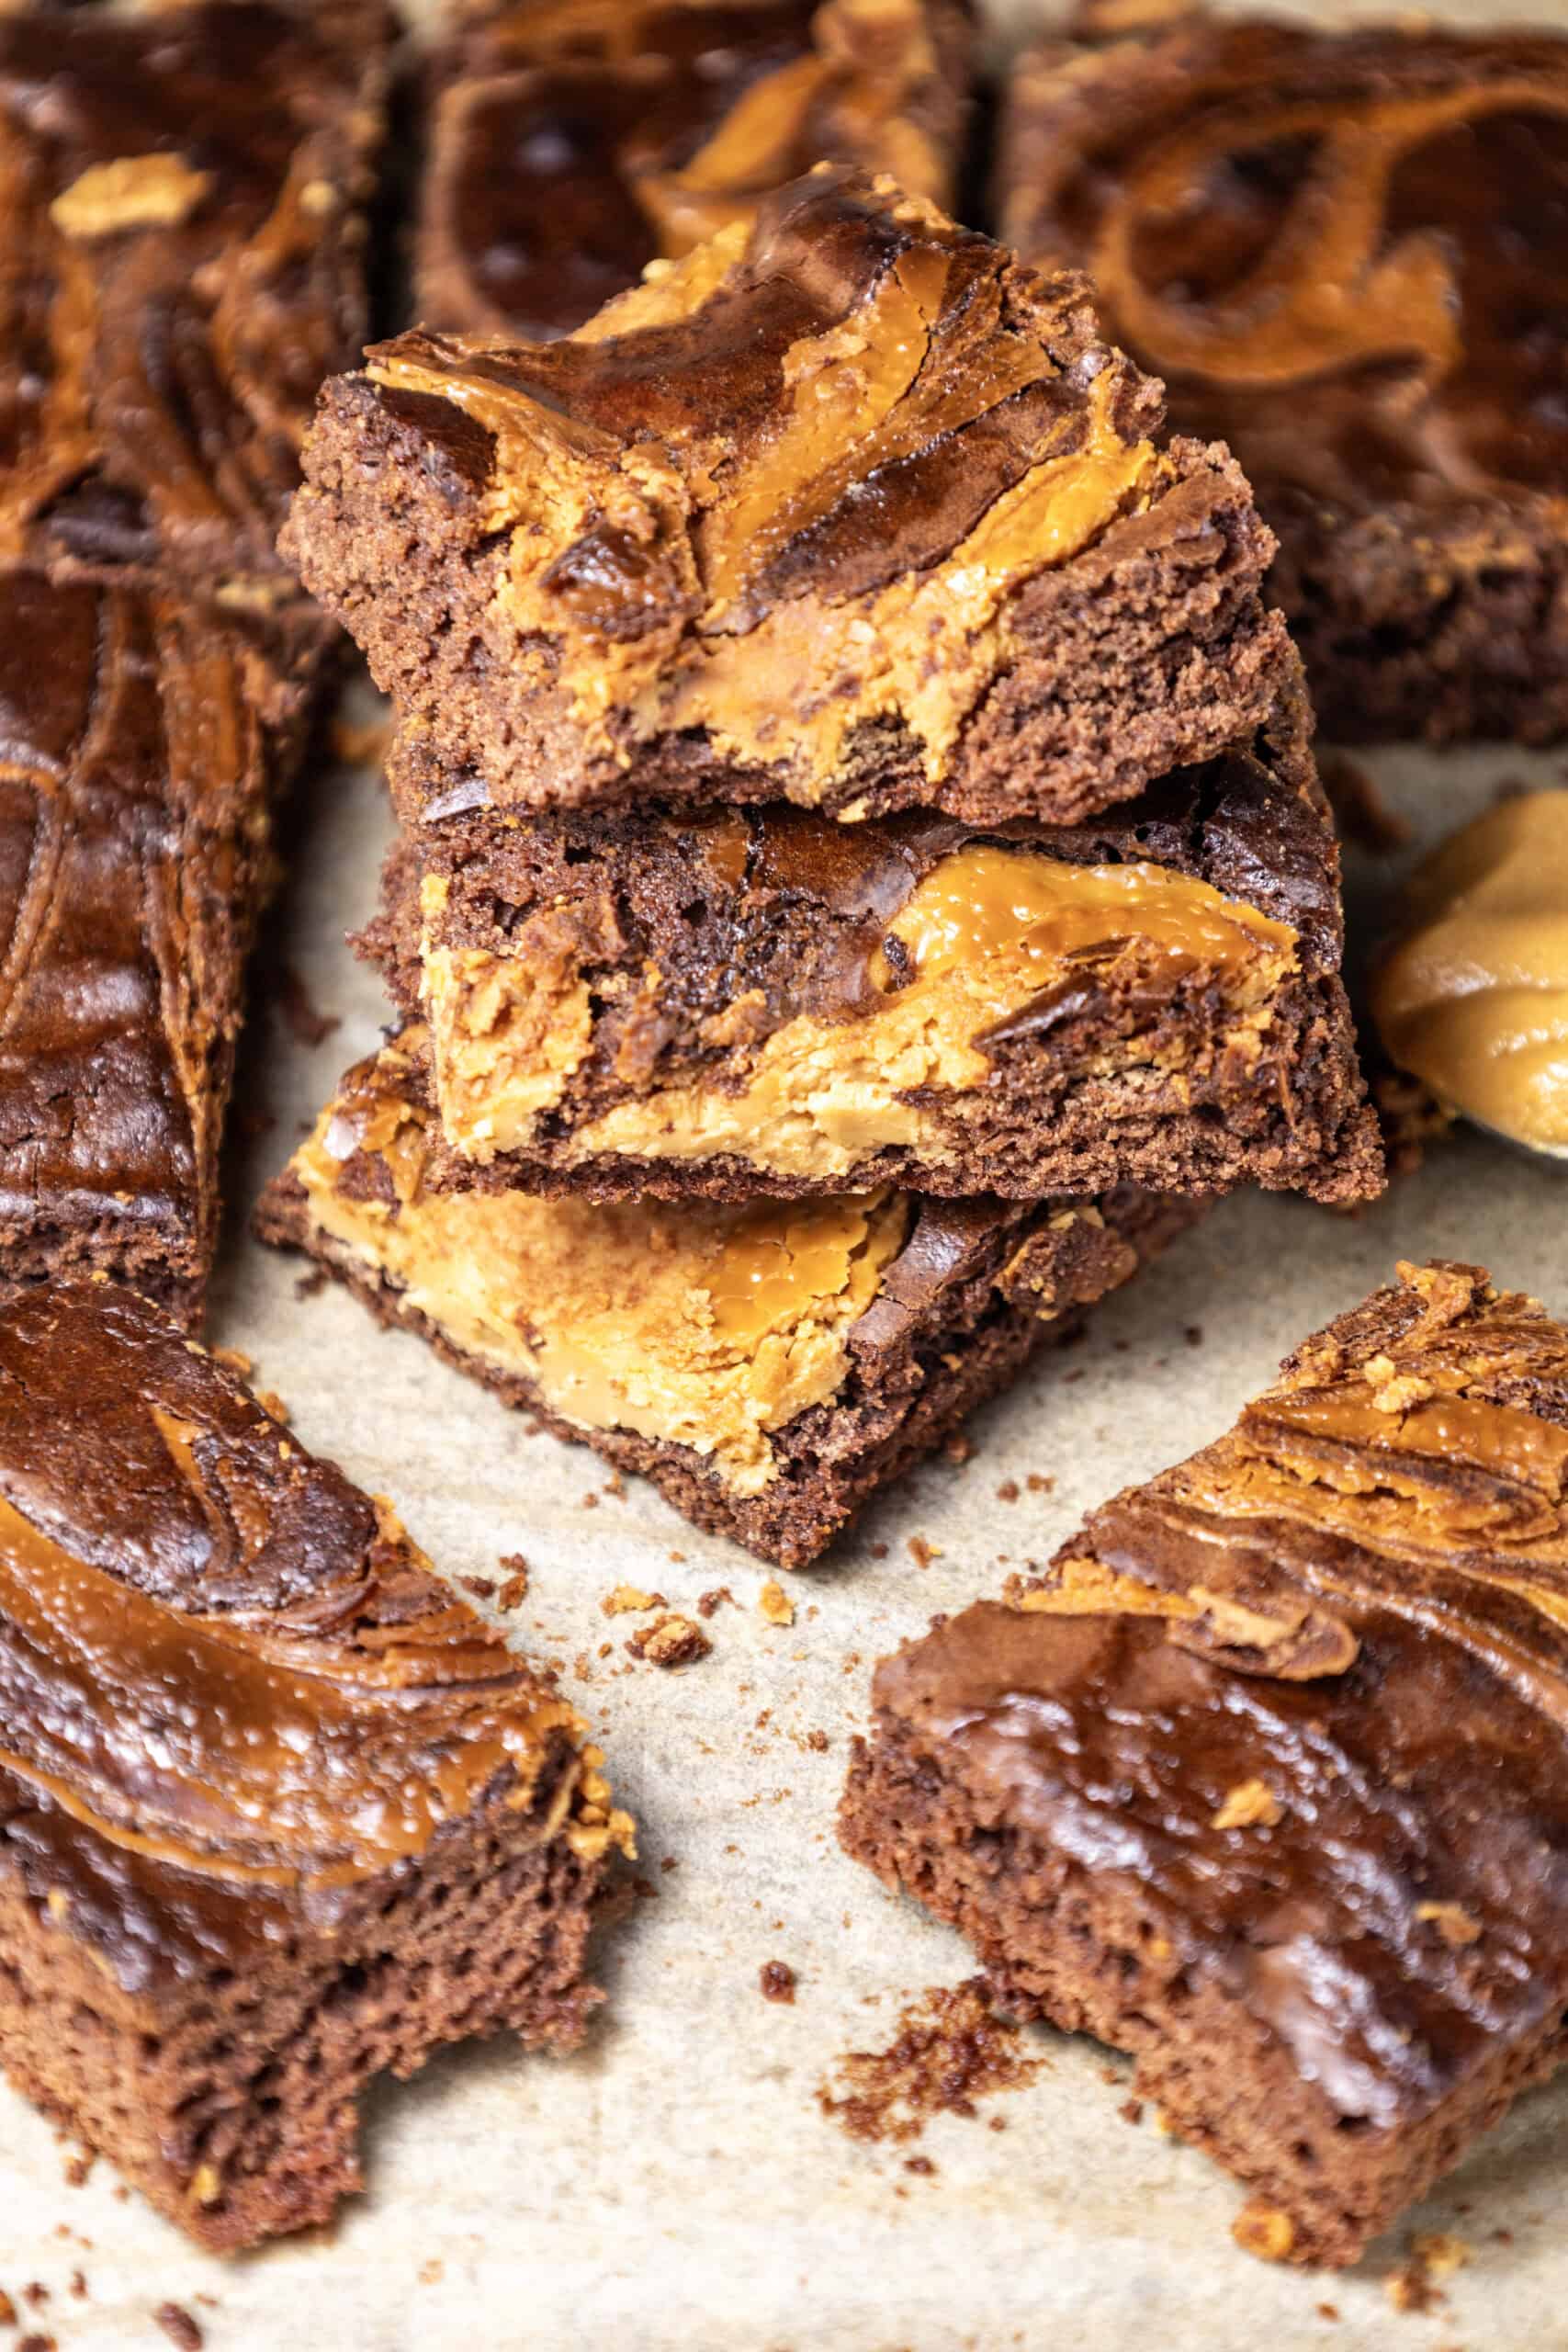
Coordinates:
188 184
768 1365
849 509
1411 453
277 1810
143 762
1263 1781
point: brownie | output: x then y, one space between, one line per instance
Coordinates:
1345 255
183 200
571 145
278 1810
848 509
1265 1782
144 739
721 1003
769 1367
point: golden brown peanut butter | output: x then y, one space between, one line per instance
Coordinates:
722 568
705 1327
1473 998
985 934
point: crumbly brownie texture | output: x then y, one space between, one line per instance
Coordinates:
182 191
573 142
276 1810
769 1367
1265 1782
1345 255
634 1005
144 743
850 511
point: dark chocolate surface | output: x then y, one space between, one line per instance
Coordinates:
181 190
570 145
1348 1614
232 1693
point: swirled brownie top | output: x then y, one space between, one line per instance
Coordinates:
1378 223
573 142
795 516
233 1690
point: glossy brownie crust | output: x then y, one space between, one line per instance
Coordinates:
619 566
144 741
369 1827
571 144
183 197
958 1315
1411 451
1321 1666
689 931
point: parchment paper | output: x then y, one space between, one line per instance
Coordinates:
674 2186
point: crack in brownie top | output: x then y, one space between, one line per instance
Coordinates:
175 297
854 426
1310 1689
574 144
1344 254
217 1657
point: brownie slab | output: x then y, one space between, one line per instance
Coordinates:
1264 1783
144 741
769 1367
724 1003
846 509
1345 255
182 192
571 145
276 1810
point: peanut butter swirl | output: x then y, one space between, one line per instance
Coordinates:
575 143
831 449
1323 1669
1377 221
176 188
218 1658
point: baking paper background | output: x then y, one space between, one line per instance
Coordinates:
675 2186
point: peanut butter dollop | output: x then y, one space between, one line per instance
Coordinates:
1473 998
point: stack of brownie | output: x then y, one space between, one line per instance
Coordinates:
864 880
183 238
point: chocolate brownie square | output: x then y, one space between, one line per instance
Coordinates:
846 508
277 1810
1265 1782
183 190
770 1366
144 743
573 142
723 1002
1345 255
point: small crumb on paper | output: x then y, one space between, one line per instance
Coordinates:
672 1641
775 1603
950 2050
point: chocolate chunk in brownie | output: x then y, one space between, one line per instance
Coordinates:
277 1810
1345 255
769 1367
144 739
722 1002
572 143
845 508
1265 1782
183 188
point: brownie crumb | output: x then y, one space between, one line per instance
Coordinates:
626 1600
7 2310
671 1641
483 1588
1262 2230
515 1591
1194 1335
708 1601
312 1285
879 1551
307 1023
1131 2111
36 2342
950 2050
921 1553
1434 2254
777 1981
179 2328
775 1603
1008 1491
818 1742
78 2283
1040 1485
922 2164
590 1502
1328 2311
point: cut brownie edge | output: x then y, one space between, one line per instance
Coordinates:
1080 1948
